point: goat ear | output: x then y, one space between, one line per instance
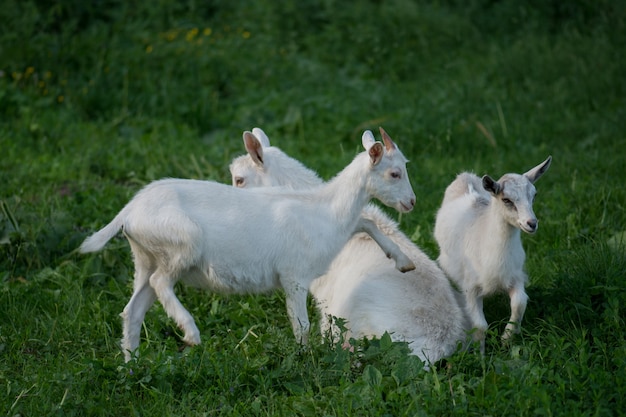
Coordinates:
376 153
254 147
368 140
261 136
491 185
374 148
536 173
389 145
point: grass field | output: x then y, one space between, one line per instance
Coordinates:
98 98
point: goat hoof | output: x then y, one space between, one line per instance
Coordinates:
507 336
347 346
407 267
192 340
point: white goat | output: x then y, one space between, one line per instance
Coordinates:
227 240
361 285
264 170
478 232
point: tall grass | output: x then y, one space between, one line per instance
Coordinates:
99 98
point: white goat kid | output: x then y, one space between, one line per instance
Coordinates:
227 240
361 285
269 166
478 232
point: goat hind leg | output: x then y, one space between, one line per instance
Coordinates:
133 316
164 287
142 299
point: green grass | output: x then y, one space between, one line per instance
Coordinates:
99 98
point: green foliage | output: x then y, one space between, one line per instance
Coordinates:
98 98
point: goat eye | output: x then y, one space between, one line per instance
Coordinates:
395 174
508 202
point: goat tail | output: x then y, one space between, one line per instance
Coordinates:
97 241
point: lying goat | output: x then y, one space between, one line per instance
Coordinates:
361 285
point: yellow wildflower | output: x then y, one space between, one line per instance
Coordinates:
170 35
191 34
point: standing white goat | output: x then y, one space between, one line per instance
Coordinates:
227 240
361 285
281 170
478 232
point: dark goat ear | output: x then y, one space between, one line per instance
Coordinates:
376 153
491 185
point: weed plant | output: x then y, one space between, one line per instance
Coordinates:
98 98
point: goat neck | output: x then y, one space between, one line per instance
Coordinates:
347 191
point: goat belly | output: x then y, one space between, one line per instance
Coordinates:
229 282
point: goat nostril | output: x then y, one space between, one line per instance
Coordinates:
532 224
412 202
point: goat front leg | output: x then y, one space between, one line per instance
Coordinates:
519 299
296 296
393 251
474 308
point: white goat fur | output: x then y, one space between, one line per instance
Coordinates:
478 232
227 240
362 285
